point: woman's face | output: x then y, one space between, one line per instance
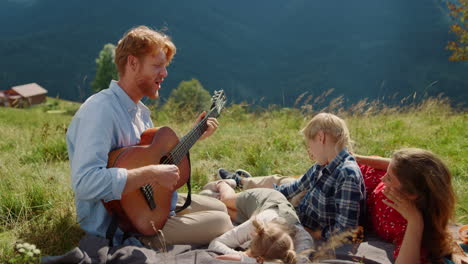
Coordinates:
390 179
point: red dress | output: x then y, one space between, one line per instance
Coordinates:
384 220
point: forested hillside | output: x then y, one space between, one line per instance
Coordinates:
268 51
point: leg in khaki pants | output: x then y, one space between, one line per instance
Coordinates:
268 181
265 181
205 219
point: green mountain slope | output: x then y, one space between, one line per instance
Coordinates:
267 50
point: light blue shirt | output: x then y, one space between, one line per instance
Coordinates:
106 121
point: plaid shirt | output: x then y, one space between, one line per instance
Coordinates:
335 195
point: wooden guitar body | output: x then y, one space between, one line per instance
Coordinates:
133 210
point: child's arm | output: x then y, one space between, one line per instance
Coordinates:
234 238
289 190
373 161
240 234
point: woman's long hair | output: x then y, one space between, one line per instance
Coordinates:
423 174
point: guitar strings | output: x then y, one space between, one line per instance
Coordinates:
179 150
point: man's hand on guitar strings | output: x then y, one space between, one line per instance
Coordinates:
212 124
166 175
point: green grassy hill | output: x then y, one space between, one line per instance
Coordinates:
36 201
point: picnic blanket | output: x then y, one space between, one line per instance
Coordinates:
96 250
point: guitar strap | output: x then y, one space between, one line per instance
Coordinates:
112 228
188 201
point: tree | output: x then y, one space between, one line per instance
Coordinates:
105 68
459 47
189 95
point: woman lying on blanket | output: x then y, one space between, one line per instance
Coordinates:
269 227
411 203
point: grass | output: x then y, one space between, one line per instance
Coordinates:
36 200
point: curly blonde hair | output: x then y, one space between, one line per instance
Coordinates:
273 242
140 41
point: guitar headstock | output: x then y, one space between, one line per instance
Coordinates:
218 100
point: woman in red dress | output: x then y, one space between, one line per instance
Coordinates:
410 203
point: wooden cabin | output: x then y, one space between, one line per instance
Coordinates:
23 95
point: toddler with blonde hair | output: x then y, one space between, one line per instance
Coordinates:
268 230
272 241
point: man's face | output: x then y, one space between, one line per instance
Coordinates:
151 73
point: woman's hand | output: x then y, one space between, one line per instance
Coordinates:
402 204
411 245
212 124
236 257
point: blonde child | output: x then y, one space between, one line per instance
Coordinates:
268 230
333 188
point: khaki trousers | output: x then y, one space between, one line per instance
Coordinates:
265 181
268 181
205 219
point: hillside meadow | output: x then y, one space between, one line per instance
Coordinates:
36 200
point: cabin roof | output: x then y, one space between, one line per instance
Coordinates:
28 90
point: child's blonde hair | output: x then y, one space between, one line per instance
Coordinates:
273 242
332 125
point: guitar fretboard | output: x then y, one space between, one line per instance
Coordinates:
187 141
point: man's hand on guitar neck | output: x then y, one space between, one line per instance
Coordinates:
212 125
164 175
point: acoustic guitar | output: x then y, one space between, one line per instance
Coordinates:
146 210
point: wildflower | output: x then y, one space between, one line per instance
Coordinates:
36 251
21 250
30 254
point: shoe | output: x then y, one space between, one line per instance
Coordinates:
237 175
225 174
212 186
243 173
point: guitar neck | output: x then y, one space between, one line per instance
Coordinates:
186 142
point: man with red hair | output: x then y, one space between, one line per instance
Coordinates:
115 118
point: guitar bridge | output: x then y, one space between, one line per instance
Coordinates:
147 192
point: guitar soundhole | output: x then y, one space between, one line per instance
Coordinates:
147 191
